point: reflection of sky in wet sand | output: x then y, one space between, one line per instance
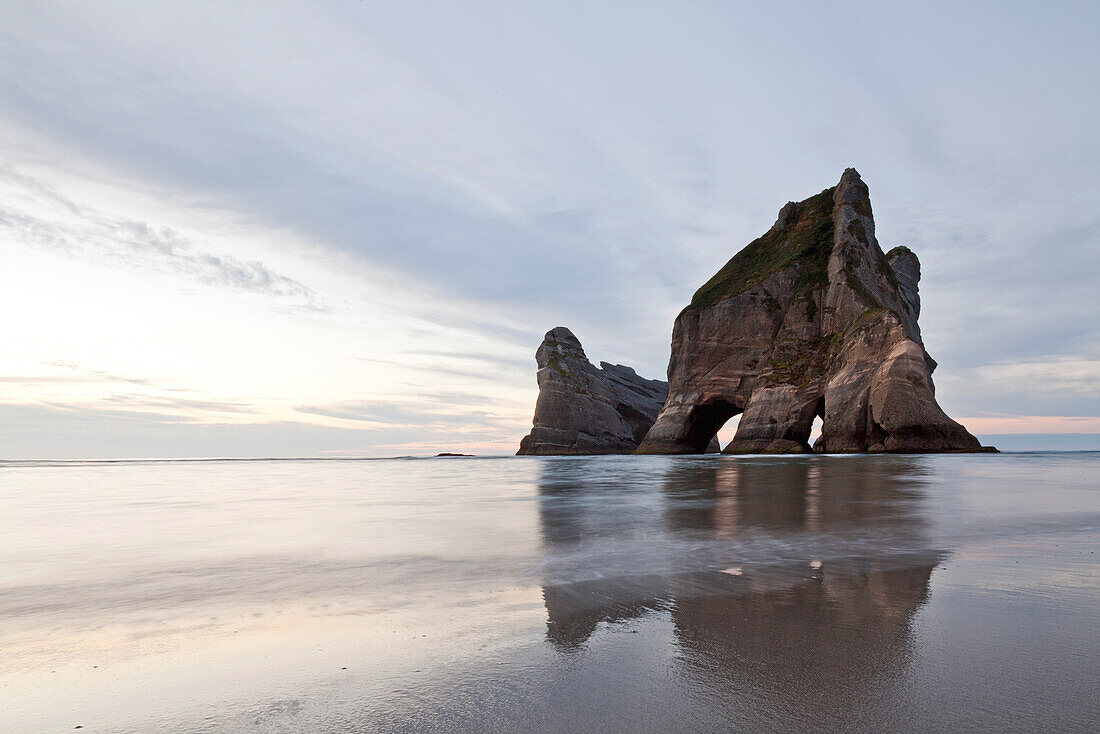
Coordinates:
552 594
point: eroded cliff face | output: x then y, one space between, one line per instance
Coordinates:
585 410
811 319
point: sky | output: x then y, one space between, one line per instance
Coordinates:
341 229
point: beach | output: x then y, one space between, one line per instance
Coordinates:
696 593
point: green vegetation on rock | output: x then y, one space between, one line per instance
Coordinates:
805 241
810 361
810 307
867 319
861 291
555 364
857 230
883 261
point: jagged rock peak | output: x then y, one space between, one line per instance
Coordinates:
562 337
810 319
585 410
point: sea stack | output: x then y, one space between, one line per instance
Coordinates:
811 319
585 410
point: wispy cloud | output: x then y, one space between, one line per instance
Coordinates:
58 432
1060 375
190 406
510 172
93 236
1031 424
83 372
393 413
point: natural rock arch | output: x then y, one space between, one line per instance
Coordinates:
704 422
811 319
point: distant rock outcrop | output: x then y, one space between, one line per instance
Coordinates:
585 410
812 319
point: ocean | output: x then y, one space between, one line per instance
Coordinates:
557 594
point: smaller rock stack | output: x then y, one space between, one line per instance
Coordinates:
585 410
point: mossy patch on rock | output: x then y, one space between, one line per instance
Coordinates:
857 230
805 240
810 362
883 262
555 364
810 307
861 290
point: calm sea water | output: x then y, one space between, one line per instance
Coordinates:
899 593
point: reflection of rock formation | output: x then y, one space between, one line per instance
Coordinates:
576 610
812 495
815 646
781 626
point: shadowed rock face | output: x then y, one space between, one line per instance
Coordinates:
585 410
811 319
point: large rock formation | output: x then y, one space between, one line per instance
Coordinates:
812 319
585 410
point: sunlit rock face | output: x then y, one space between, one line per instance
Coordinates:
811 319
582 409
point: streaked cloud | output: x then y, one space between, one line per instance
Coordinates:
90 235
356 221
132 402
1060 375
49 432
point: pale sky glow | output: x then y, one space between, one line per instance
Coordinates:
127 313
342 228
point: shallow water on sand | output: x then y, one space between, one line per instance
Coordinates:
552 594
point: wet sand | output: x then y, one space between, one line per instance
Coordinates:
937 593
